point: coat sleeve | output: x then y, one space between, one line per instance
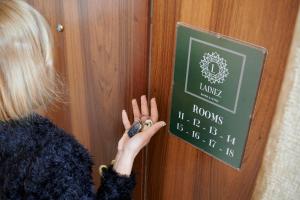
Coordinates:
114 186
63 171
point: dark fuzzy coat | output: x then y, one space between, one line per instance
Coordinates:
38 160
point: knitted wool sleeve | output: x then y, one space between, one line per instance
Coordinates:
115 186
74 179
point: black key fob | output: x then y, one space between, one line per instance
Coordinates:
135 128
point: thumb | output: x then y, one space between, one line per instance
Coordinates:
153 129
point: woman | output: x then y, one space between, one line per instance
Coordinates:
38 160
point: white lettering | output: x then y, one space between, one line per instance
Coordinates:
230 139
180 115
179 126
209 89
229 152
196 135
208 115
212 143
196 122
213 130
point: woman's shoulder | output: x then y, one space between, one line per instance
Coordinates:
56 141
43 155
61 161
40 138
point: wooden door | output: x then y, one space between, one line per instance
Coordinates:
102 56
175 169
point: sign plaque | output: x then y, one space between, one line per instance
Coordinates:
215 84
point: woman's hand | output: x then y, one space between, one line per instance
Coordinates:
128 147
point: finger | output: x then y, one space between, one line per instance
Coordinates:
125 120
154 111
136 110
144 106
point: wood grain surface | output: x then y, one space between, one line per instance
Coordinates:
102 56
175 169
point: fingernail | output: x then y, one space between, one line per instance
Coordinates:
164 124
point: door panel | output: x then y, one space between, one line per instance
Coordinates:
102 55
175 169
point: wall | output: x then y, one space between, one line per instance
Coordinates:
279 177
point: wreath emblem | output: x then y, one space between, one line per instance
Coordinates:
214 67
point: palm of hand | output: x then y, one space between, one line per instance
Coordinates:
128 147
137 142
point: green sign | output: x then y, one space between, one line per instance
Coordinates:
215 85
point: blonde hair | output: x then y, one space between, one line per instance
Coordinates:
27 75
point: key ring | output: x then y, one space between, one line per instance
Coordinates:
147 124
